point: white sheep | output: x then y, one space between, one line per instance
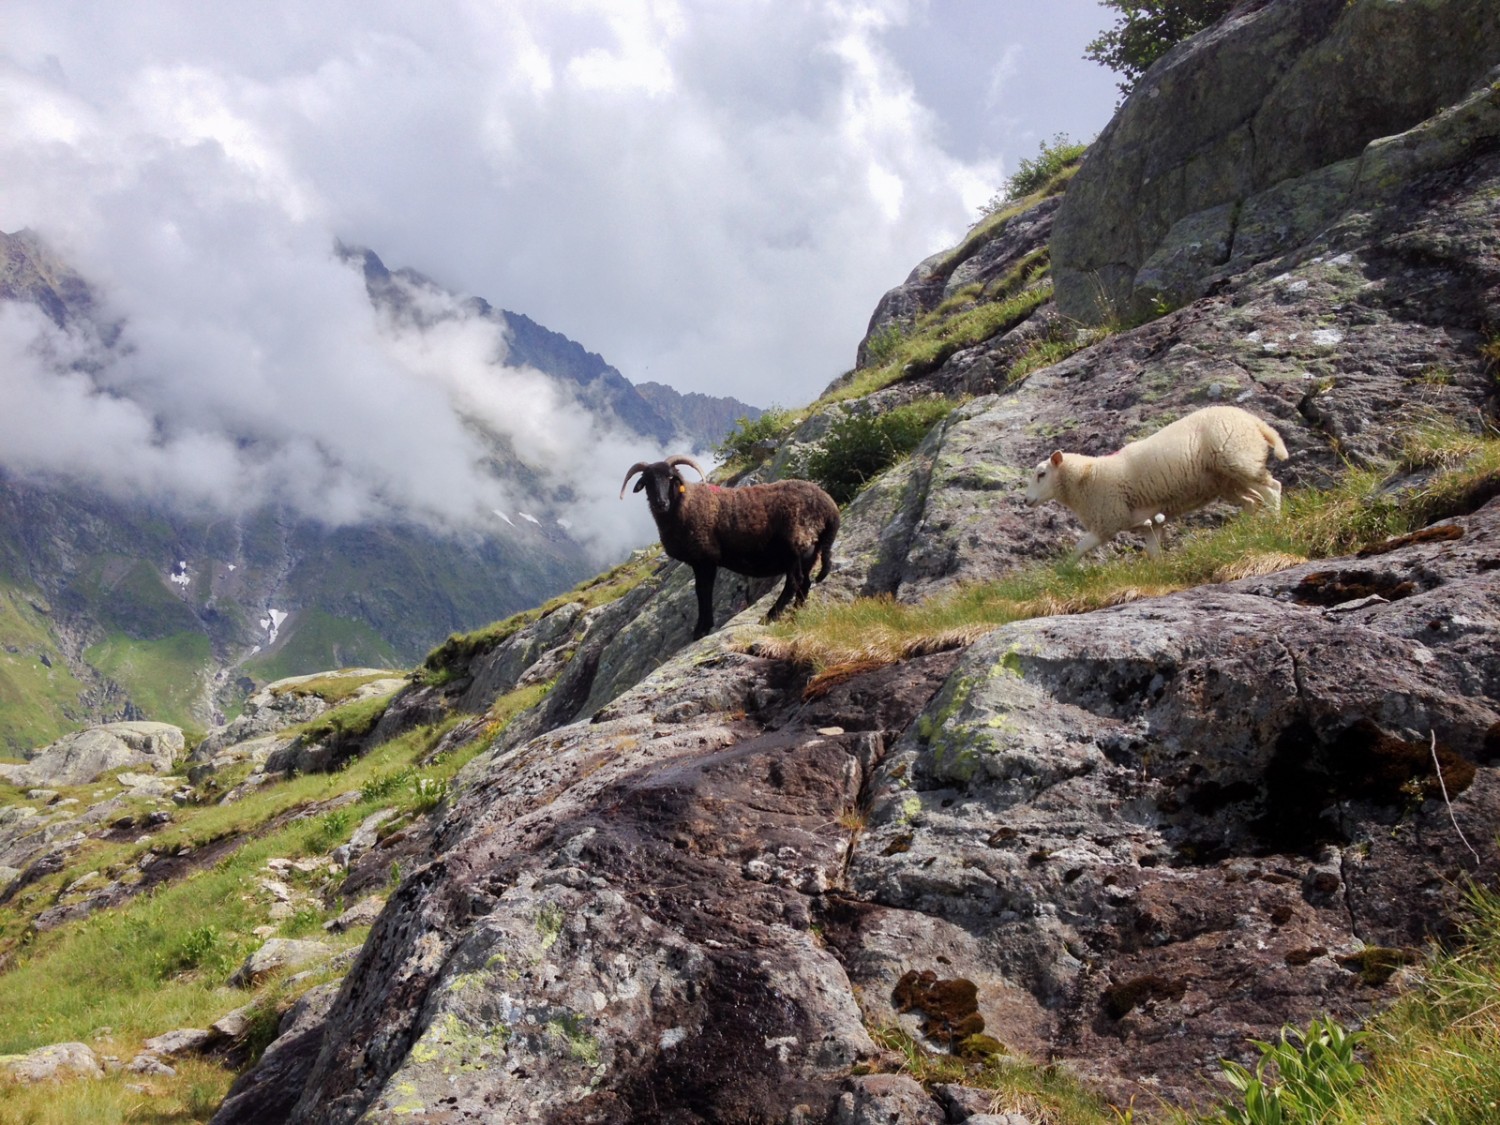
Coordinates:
1218 453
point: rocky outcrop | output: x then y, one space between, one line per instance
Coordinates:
81 758
55 1062
1250 138
1180 821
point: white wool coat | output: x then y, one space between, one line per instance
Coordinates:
1218 453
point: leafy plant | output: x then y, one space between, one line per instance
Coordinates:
385 785
1299 1079
328 831
752 438
1052 157
884 341
203 947
861 445
429 793
1146 29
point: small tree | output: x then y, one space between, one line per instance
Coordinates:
1146 29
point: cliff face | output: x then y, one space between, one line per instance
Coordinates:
688 885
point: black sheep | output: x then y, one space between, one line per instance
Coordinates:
761 530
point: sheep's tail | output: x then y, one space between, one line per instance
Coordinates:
1273 439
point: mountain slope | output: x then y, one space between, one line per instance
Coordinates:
152 610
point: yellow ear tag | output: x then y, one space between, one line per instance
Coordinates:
682 488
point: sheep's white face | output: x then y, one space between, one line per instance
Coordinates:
1043 484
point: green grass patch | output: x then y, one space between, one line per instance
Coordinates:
348 720
1364 508
117 1099
1056 348
935 338
162 960
316 640
1047 1093
452 657
36 698
1056 161
162 676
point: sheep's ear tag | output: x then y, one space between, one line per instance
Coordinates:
682 488
1056 457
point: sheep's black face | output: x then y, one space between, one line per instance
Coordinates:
662 489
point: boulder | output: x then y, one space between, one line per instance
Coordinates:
52 1063
1252 136
84 757
276 955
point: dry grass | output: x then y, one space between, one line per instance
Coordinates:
838 640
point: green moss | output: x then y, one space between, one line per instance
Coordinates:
549 924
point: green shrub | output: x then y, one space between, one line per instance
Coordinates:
748 441
1146 29
859 446
203 947
429 793
1299 1079
385 785
328 832
1051 158
883 342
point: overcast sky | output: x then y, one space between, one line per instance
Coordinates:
709 194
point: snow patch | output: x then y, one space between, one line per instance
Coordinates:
503 516
271 623
528 516
179 575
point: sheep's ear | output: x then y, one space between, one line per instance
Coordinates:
1056 457
640 484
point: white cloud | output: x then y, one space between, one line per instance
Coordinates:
710 195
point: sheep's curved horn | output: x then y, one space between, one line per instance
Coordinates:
639 466
684 459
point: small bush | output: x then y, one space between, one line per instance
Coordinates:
859 446
386 784
1299 1079
752 438
203 947
883 342
428 793
328 832
1034 173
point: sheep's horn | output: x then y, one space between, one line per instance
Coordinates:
684 459
639 466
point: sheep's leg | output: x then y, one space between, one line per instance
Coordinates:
790 588
1271 489
1087 544
703 583
1152 525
